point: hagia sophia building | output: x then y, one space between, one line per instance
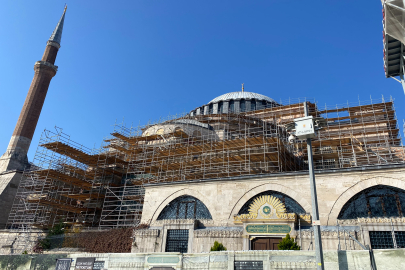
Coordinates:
226 171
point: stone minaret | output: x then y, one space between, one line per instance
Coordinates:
15 160
15 157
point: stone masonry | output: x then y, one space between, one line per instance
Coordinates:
224 198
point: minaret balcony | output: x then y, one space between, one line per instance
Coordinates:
47 64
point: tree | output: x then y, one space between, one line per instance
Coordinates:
53 239
217 247
288 244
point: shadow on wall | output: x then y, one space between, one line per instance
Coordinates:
342 260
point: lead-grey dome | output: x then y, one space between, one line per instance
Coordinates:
241 95
235 102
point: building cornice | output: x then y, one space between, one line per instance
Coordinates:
218 233
287 174
146 233
386 220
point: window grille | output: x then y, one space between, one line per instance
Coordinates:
185 207
377 201
248 265
383 239
177 241
290 204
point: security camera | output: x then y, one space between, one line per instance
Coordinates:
292 138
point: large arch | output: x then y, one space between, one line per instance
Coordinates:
358 187
291 205
376 202
265 187
179 193
185 207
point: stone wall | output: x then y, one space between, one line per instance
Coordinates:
334 260
234 238
204 239
224 198
9 182
16 242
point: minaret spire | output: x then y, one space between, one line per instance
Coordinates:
57 33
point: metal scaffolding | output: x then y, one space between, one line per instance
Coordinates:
105 188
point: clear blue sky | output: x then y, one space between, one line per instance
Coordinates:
145 59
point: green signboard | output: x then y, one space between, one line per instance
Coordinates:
268 229
163 259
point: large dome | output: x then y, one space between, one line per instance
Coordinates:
235 102
240 95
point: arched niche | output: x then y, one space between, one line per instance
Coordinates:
185 207
375 201
291 205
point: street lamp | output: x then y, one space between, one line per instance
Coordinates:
305 128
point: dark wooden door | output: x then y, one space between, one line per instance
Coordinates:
274 243
265 243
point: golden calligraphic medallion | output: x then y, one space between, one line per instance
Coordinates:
266 211
266 206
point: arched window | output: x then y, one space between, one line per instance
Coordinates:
220 107
377 201
242 105
264 104
185 207
232 106
253 105
290 204
211 109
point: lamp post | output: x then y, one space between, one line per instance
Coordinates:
305 128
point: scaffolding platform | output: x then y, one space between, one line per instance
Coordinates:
105 187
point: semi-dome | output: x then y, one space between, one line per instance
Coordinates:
241 95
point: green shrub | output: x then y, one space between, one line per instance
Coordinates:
217 246
288 244
46 243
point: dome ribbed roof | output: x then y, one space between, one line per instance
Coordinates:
240 95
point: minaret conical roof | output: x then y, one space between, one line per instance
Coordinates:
57 33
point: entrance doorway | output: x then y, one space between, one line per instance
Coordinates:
265 243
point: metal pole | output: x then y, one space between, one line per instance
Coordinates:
401 67
315 213
338 234
344 236
393 235
299 225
